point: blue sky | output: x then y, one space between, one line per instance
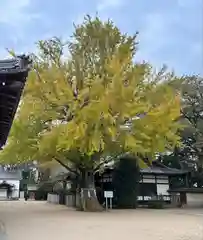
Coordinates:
171 31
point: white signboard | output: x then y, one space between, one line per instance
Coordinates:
108 194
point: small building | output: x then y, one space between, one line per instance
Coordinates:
11 178
155 182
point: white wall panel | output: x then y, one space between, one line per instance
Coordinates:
162 189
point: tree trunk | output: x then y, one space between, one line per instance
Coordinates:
62 195
89 201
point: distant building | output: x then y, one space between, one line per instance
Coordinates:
155 181
12 178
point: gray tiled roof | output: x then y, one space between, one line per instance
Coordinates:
159 168
156 168
164 171
14 175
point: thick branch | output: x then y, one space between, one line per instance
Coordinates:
66 167
188 118
100 164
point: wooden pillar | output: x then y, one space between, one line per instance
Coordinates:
187 182
183 198
156 183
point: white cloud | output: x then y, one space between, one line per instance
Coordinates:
101 7
14 13
16 16
153 32
106 4
154 38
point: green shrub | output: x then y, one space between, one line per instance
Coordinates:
125 182
156 204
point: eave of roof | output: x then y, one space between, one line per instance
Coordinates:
162 171
157 168
10 176
187 190
13 75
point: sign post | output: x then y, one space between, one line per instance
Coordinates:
108 195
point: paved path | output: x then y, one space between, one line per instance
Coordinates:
40 221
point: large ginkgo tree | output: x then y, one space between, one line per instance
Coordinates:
93 103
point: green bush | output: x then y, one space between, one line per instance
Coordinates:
156 204
125 182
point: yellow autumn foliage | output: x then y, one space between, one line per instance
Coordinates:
81 106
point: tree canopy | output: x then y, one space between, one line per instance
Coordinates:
189 154
191 149
192 112
93 103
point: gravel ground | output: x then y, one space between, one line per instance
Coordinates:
40 221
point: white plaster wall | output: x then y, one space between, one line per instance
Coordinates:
162 189
164 181
22 195
195 199
148 180
3 194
